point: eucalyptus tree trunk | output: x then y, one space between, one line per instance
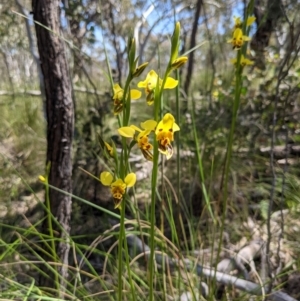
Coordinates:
192 45
60 114
266 19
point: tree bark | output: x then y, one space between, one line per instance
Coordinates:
60 123
192 45
266 20
32 47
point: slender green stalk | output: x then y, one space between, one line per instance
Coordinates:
178 167
126 101
133 293
157 110
122 234
50 226
236 104
152 217
124 167
120 254
200 165
124 170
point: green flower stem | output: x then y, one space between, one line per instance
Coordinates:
120 252
127 110
133 293
152 209
200 165
152 217
126 101
122 172
124 169
50 225
162 199
157 111
236 104
122 238
119 121
178 139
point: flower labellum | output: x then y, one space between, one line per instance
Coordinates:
165 134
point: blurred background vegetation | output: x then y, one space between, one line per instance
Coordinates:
265 163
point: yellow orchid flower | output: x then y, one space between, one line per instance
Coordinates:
237 22
243 62
150 84
118 97
109 149
238 39
165 134
142 138
118 187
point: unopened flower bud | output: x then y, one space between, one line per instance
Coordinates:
42 179
179 62
175 42
139 70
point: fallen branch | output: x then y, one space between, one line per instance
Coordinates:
244 285
22 92
38 92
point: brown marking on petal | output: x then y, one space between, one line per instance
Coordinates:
118 106
117 203
147 155
170 151
162 147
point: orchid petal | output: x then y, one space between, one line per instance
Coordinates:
126 131
176 127
130 179
166 124
106 178
119 183
149 125
135 128
171 83
135 94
